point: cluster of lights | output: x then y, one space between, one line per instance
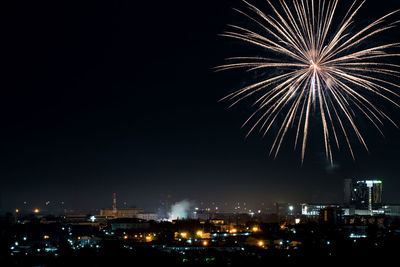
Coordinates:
147 237
356 236
82 242
18 248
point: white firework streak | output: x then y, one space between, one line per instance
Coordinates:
331 75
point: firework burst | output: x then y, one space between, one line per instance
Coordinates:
324 69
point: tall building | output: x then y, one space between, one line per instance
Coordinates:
363 194
347 191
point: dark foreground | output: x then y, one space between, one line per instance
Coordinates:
112 254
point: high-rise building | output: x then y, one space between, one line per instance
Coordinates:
363 194
347 191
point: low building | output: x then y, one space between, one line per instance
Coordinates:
314 209
331 215
148 216
128 224
392 210
121 212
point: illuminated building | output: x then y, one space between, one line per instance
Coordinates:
120 213
115 212
314 209
363 194
331 215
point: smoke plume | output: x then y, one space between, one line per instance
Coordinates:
180 210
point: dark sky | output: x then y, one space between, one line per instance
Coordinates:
120 96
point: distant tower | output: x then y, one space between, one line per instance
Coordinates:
114 206
348 184
363 194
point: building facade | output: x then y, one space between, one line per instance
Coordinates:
121 212
363 194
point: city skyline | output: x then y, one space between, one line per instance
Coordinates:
355 194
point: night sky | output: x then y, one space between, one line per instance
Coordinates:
120 96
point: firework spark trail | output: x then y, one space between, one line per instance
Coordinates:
332 75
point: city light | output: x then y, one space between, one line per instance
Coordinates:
36 210
184 235
199 233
